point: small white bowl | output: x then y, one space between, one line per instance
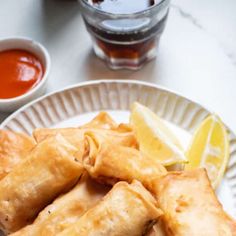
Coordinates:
11 104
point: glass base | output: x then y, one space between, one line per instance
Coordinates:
130 57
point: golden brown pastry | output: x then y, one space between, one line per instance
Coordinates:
49 169
75 136
190 205
109 163
128 209
66 209
14 147
157 229
102 121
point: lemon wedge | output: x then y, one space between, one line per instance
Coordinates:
209 148
155 139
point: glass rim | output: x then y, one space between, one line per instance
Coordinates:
120 15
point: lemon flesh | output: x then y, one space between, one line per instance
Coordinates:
209 149
155 139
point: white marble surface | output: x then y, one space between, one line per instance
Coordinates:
196 57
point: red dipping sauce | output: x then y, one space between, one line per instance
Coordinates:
20 71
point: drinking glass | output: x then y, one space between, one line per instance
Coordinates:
125 40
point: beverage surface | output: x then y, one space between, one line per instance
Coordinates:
122 6
126 35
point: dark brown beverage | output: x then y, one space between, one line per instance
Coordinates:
131 38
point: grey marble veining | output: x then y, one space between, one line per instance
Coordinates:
217 18
187 16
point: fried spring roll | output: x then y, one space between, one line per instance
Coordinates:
190 206
66 209
128 209
75 136
14 147
109 163
49 169
102 121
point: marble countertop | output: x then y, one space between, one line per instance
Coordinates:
196 57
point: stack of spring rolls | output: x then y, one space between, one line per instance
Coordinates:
94 181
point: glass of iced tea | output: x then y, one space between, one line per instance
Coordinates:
125 33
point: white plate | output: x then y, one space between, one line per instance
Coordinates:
78 104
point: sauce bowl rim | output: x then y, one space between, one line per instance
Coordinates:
46 65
